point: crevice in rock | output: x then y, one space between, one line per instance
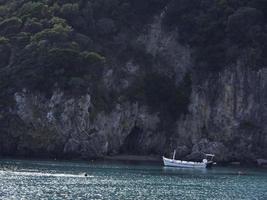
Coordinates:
132 142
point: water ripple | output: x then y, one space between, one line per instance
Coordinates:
66 180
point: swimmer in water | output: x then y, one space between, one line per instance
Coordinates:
241 173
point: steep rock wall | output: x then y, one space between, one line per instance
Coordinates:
65 126
226 115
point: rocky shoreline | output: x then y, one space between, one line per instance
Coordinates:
137 159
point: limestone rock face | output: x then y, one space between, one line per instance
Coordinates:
227 113
64 124
175 58
217 148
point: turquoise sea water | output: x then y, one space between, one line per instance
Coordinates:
20 179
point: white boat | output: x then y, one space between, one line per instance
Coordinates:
207 162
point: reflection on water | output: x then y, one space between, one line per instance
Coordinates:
30 173
177 170
66 180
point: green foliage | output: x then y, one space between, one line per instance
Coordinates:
106 26
3 11
63 57
58 33
10 26
34 9
215 28
32 26
22 39
70 10
59 21
5 52
54 44
4 41
93 57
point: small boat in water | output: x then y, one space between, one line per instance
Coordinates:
206 162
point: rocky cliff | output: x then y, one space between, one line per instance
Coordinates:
227 116
225 113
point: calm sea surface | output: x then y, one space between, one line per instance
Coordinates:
20 179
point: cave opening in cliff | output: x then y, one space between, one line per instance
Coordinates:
132 142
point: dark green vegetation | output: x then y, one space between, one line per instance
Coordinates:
220 30
66 40
68 44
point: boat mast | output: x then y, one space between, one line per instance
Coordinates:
174 153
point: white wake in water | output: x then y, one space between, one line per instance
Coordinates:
10 173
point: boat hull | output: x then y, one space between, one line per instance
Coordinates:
183 164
